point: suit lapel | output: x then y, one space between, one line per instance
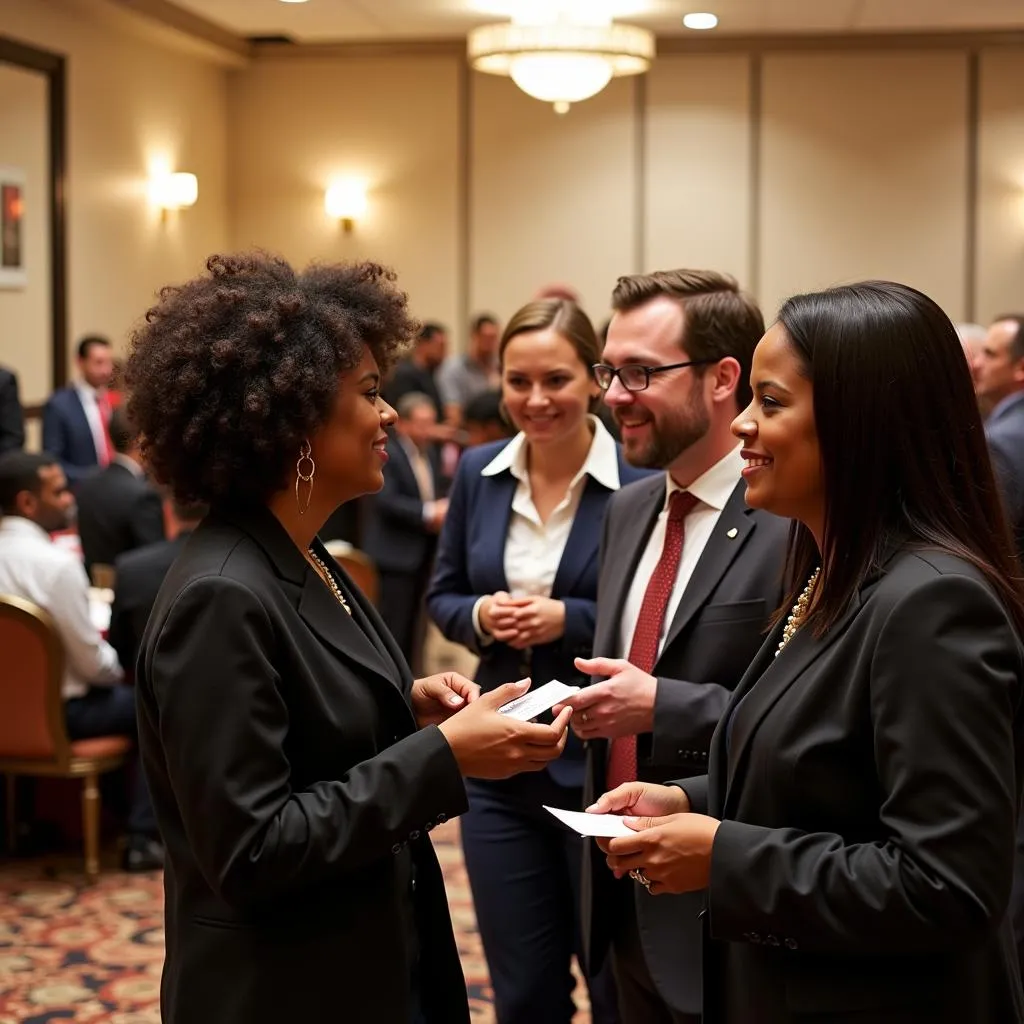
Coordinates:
584 538
340 631
496 494
764 684
727 540
622 556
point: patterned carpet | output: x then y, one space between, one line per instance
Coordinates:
93 954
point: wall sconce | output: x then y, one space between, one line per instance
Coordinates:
346 201
173 191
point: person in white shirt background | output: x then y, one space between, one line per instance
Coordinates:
35 501
516 582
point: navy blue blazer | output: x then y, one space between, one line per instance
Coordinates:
471 563
1004 431
67 435
395 536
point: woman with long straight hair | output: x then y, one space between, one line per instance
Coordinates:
855 832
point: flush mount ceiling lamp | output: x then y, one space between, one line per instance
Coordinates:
561 61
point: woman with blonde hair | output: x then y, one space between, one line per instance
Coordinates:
516 582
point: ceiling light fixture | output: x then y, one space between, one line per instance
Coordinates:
561 61
700 21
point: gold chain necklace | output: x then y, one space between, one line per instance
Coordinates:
328 577
799 612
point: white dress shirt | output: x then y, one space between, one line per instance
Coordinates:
533 549
34 568
713 488
90 403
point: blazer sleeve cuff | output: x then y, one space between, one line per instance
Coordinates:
696 790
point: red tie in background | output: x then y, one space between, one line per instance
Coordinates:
643 650
103 403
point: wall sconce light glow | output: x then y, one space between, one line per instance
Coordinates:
293 1
173 191
346 201
700 21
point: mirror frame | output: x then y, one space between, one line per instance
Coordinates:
52 66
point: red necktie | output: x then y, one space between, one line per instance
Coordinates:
103 403
643 650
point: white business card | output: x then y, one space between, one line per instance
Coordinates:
610 826
536 702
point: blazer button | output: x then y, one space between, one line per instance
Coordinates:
414 834
755 938
429 826
771 940
791 944
442 818
397 848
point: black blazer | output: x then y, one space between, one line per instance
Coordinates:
139 575
869 783
117 512
12 420
294 795
1004 431
396 537
718 627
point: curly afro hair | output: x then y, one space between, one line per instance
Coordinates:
231 370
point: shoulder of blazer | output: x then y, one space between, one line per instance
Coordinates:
475 460
637 491
630 474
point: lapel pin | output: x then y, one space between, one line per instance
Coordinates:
732 533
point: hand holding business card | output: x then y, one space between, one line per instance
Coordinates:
536 702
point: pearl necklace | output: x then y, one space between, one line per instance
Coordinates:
328 577
799 612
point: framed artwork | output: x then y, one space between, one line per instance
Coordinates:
13 273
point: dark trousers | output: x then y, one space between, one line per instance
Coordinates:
110 711
639 1001
401 606
524 870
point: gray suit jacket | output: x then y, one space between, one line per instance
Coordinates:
716 631
1005 434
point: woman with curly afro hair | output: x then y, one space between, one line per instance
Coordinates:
296 767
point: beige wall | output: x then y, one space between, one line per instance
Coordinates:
793 171
863 173
393 123
25 310
1000 264
133 102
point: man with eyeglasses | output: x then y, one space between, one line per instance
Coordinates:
689 579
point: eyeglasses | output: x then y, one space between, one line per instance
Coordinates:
636 378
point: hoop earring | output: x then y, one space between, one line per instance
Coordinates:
305 470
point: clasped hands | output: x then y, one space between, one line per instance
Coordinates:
672 846
486 744
524 621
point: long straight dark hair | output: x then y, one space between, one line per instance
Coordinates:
903 450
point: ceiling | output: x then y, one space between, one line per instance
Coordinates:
318 21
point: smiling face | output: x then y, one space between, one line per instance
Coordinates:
661 422
780 441
546 388
350 448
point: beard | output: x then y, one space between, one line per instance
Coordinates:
671 433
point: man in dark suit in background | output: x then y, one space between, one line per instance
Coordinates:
12 420
999 380
138 575
417 372
118 509
689 579
404 520
76 418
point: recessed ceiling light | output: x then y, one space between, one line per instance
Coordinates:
700 20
